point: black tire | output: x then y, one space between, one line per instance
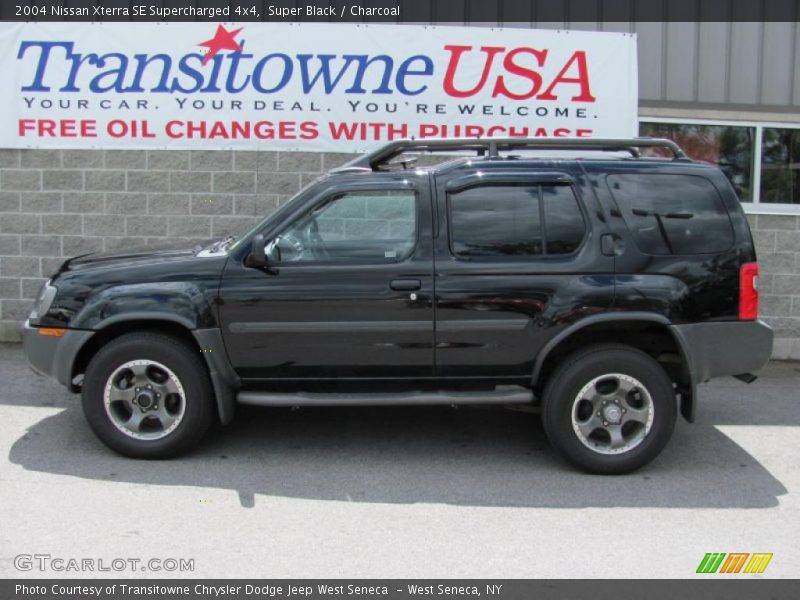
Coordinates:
186 364
582 367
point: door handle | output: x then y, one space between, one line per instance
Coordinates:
609 245
405 285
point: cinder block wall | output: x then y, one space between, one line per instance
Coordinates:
59 203
778 248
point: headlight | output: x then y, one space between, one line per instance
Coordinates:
43 301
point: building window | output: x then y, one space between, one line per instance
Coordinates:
728 146
780 166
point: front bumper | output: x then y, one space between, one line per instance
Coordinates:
53 356
724 348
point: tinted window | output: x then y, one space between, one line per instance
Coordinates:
563 220
672 214
355 226
496 221
515 221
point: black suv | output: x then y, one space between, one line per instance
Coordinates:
601 284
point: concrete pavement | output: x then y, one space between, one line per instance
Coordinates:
400 492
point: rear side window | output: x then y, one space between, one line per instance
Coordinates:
515 221
672 214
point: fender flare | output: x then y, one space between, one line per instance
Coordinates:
65 368
688 396
223 378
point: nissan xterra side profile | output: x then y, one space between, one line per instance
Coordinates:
604 286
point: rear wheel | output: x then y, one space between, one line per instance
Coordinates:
609 409
147 395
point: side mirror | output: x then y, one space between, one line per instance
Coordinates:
273 251
258 256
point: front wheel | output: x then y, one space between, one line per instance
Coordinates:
148 395
609 409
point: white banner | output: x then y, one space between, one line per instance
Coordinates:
325 87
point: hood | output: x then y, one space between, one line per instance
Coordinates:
133 256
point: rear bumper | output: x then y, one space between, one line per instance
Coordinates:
53 356
724 348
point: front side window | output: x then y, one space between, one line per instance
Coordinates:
363 227
780 166
672 214
515 221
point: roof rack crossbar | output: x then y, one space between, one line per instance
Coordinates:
491 147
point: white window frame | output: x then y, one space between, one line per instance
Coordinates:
756 206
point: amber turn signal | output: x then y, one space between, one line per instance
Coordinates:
51 331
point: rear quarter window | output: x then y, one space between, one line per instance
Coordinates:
672 214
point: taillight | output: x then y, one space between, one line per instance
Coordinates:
748 291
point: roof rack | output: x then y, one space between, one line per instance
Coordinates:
491 147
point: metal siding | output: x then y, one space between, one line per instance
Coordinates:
651 36
517 25
550 25
778 49
712 62
796 64
584 25
617 26
744 63
681 61
744 70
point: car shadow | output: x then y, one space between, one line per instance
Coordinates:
475 456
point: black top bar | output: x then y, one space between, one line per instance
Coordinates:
531 13
492 146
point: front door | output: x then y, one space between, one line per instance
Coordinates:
347 293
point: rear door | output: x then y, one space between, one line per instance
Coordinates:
518 259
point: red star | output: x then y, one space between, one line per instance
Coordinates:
222 40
